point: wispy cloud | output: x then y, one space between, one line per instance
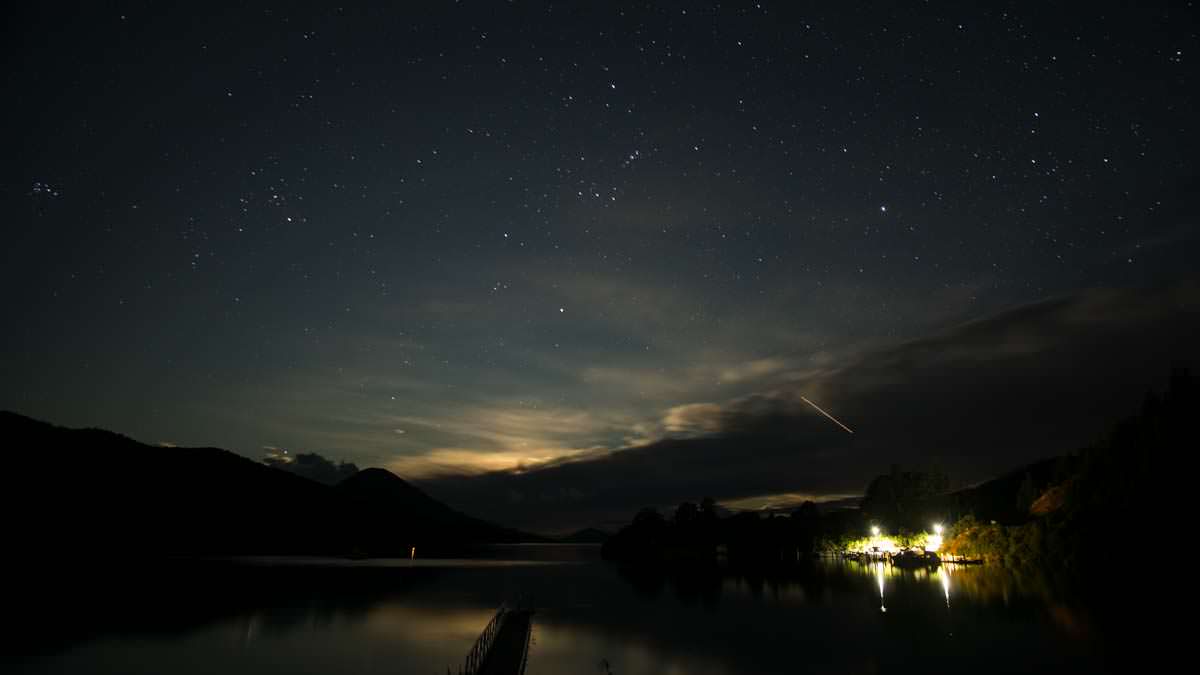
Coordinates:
510 437
1059 372
693 419
782 500
465 461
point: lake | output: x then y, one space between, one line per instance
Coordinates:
313 615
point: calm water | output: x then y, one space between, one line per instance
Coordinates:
321 616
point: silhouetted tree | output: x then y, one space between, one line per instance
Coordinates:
901 499
807 511
686 515
1026 494
648 517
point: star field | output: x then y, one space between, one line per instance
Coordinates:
495 234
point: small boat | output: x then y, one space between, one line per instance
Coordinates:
913 559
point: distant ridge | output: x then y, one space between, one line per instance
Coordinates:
588 535
98 491
379 496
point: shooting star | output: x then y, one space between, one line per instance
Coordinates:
831 417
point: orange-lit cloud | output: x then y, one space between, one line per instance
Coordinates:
781 500
512 437
693 418
461 460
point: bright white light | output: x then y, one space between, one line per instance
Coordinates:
875 530
937 528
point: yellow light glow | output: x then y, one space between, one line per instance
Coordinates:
875 543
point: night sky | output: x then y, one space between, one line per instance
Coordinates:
554 262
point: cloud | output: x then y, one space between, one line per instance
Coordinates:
692 419
704 371
786 500
506 436
443 461
978 398
462 380
309 465
643 382
752 370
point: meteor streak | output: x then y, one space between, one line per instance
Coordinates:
831 417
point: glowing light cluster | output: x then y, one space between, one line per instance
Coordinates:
879 542
885 544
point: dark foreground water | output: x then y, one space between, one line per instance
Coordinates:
393 616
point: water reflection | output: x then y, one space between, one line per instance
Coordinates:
880 571
879 576
817 614
944 575
830 615
981 584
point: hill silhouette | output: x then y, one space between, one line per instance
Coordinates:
588 535
378 496
914 499
1064 516
77 490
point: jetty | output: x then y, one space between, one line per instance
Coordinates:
503 646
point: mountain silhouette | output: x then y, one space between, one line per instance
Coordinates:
90 490
383 501
380 486
588 535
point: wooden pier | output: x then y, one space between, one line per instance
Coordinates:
503 646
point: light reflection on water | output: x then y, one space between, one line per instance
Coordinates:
879 573
356 617
944 575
